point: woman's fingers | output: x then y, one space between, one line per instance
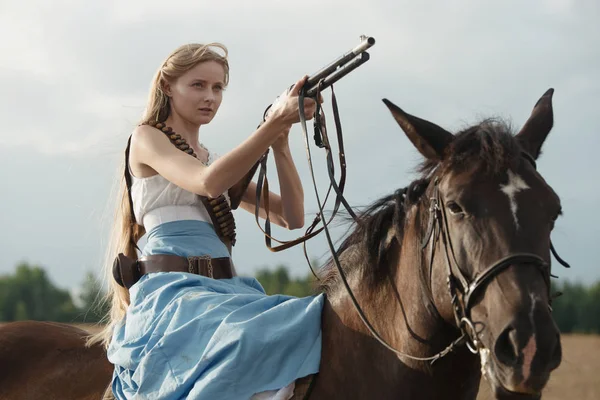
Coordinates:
309 111
296 89
308 102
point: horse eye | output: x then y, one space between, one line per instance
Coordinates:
454 208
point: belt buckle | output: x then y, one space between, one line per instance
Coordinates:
194 266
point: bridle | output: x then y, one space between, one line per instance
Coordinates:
462 290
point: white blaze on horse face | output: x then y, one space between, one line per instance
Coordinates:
514 185
528 354
530 348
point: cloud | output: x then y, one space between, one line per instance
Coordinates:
75 76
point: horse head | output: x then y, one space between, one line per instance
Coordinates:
485 219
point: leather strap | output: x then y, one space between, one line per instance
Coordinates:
129 183
127 271
262 187
237 191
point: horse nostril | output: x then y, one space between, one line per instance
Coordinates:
507 346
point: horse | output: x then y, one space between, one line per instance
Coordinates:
47 360
460 255
438 284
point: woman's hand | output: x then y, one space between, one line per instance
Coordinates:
285 110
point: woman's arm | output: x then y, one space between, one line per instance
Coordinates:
292 193
152 148
287 209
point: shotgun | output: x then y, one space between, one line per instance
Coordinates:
336 70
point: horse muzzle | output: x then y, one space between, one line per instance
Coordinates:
524 354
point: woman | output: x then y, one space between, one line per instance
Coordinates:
177 334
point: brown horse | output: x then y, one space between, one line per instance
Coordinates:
459 257
45 360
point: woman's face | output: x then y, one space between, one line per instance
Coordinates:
197 94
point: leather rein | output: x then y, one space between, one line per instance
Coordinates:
322 140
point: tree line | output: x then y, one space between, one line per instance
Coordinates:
29 294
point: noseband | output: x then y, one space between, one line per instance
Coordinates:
461 289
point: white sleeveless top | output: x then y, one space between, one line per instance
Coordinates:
157 200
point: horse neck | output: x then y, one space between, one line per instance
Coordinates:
355 365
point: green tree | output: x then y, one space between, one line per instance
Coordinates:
29 294
578 308
93 306
21 312
591 310
278 281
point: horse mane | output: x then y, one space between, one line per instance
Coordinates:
370 234
488 147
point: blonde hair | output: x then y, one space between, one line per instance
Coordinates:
126 231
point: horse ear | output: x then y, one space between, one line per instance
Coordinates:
538 126
430 139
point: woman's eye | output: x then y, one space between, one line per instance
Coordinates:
454 208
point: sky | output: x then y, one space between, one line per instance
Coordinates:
74 77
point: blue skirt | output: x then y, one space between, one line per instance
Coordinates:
187 336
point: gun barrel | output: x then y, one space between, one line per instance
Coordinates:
338 74
314 79
364 45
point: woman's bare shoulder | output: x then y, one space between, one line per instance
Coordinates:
147 135
148 146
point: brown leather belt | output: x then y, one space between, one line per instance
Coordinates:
127 271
